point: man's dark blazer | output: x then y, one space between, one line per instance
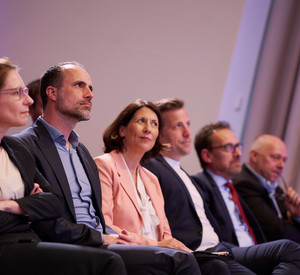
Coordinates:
181 213
64 229
38 207
258 200
216 204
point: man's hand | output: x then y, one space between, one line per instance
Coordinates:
292 201
118 239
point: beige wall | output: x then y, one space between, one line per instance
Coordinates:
132 49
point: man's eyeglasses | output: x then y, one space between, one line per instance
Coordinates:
229 147
17 93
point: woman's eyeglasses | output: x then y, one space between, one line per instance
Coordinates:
17 93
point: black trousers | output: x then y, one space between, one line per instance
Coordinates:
58 259
141 259
277 257
66 259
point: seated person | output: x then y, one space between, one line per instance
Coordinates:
36 109
188 206
25 198
67 94
278 212
132 201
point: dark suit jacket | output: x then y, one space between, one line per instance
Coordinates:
217 206
183 219
64 229
257 198
38 207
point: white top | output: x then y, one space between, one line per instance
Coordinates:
11 183
150 219
209 236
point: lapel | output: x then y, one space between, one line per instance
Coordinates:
125 179
167 166
217 194
47 148
278 192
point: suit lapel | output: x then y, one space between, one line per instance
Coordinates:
165 164
49 151
125 180
219 198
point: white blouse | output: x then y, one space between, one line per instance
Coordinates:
150 219
11 183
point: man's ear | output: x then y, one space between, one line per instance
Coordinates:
52 93
253 156
205 155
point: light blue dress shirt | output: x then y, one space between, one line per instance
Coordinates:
78 181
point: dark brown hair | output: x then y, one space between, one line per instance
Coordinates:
203 137
34 90
111 137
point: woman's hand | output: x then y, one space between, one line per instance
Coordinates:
292 201
119 239
36 189
136 238
12 207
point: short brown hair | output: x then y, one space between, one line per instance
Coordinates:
5 67
203 137
169 104
111 137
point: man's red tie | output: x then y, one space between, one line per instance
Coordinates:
235 198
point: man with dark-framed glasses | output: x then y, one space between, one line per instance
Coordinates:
277 211
219 153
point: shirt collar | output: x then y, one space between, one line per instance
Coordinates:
219 180
57 135
172 162
268 185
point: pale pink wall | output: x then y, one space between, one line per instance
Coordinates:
132 49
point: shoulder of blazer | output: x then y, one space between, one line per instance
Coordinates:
246 176
205 181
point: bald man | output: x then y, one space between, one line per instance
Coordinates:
278 212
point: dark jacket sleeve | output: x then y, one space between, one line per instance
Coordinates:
63 229
12 223
40 206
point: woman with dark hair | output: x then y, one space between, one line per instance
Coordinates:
132 201
26 198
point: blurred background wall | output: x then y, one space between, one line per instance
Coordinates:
205 52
